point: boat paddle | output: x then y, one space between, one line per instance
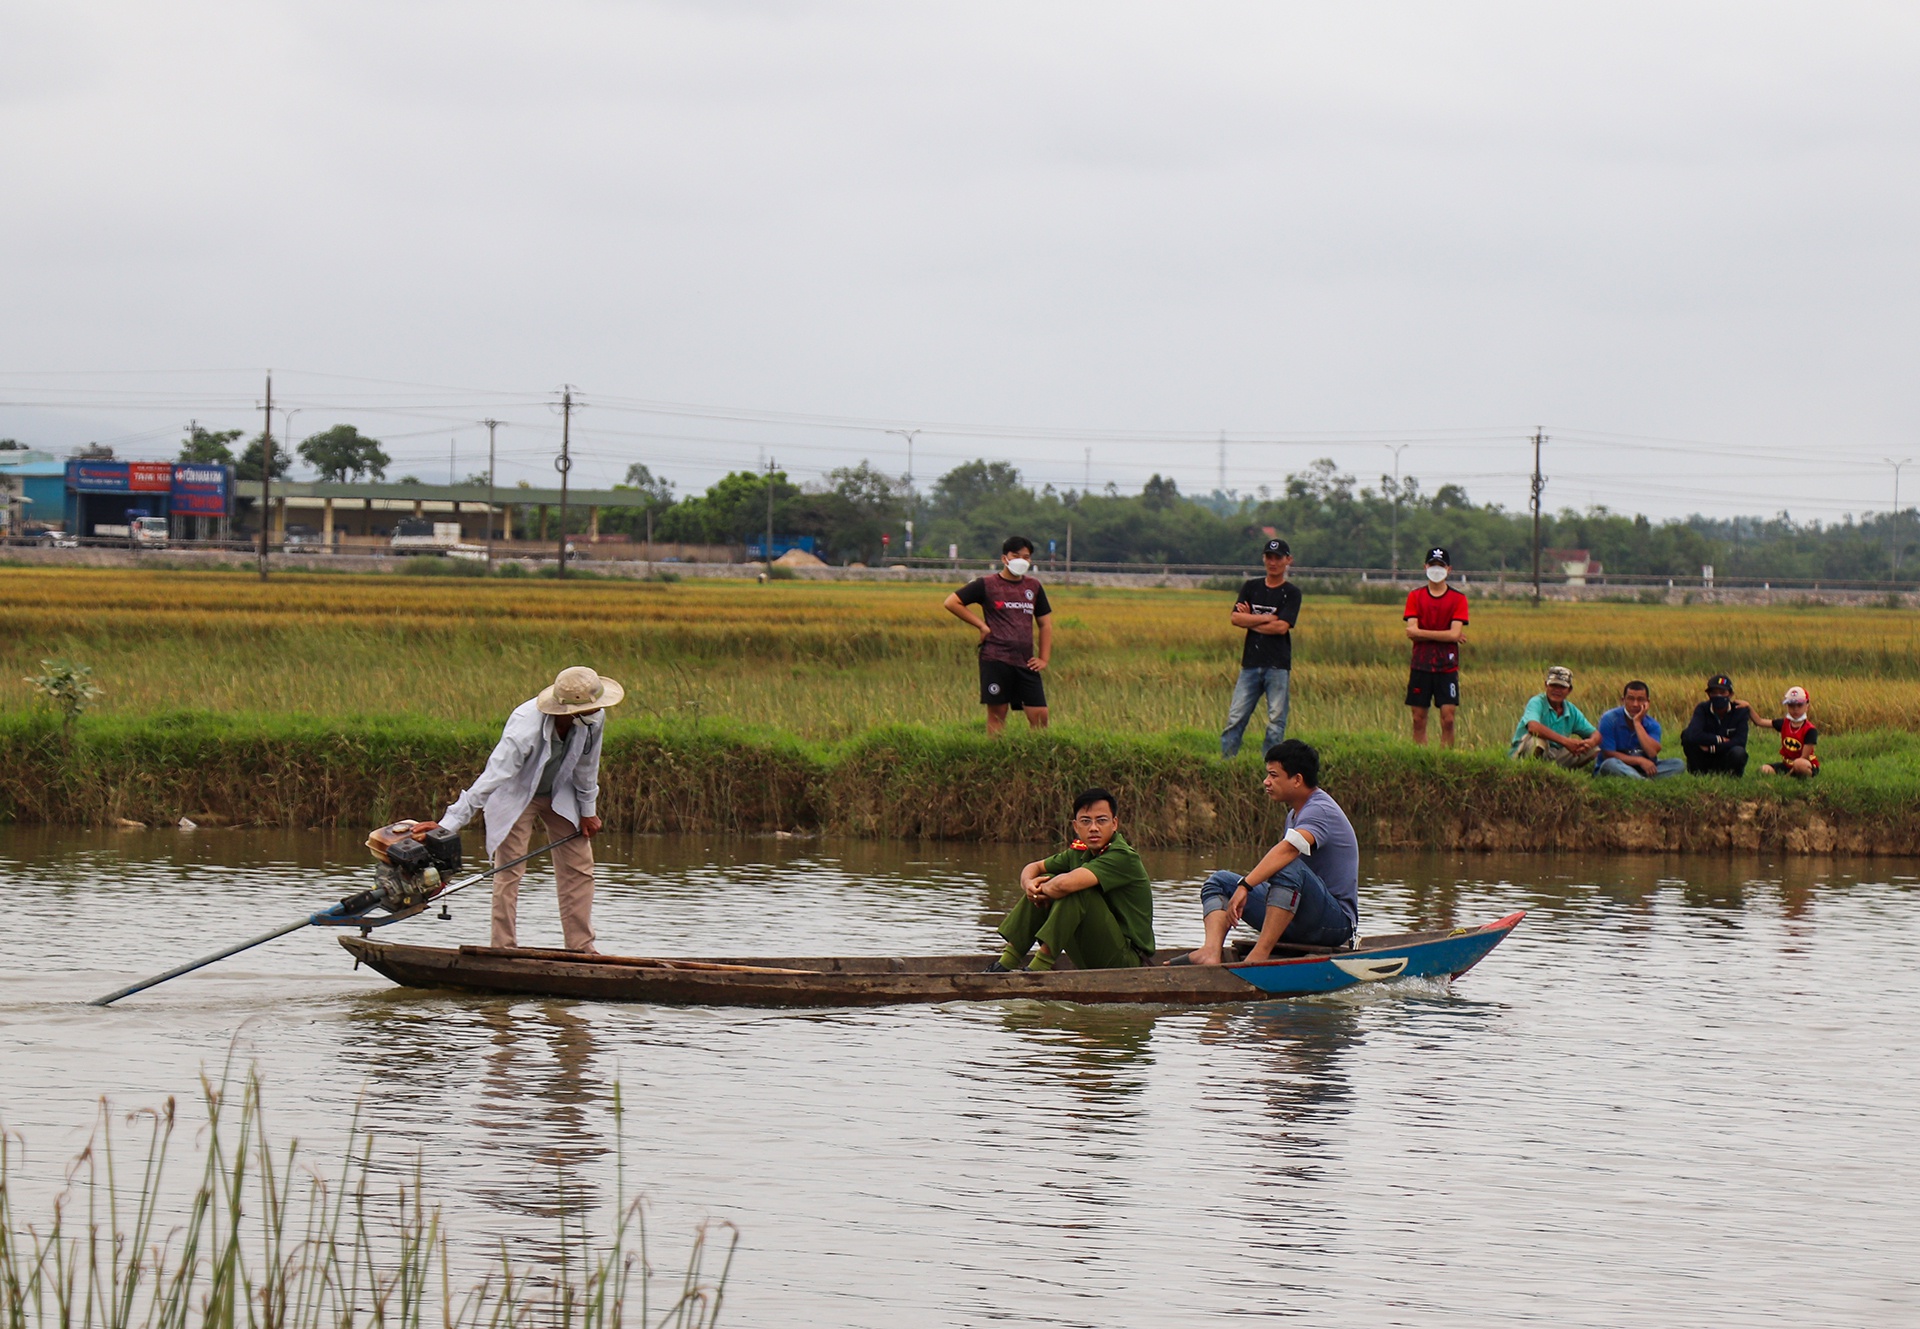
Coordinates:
354 906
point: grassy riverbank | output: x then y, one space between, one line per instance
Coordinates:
912 782
851 708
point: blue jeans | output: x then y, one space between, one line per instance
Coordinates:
1246 692
1661 766
1318 918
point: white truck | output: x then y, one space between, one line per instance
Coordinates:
416 535
147 532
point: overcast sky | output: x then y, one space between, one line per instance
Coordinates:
1681 237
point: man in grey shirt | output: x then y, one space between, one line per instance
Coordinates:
1284 897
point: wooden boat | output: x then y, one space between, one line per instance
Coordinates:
887 980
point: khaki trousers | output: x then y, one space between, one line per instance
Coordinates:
572 870
1532 745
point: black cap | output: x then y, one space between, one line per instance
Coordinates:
1438 555
1280 547
1719 681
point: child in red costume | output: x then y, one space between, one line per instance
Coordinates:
1797 737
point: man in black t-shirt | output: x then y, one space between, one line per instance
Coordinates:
1267 607
1013 611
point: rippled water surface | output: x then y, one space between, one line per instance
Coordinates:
1682 1092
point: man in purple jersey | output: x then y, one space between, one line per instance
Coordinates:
1013 611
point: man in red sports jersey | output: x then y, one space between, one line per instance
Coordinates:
1436 620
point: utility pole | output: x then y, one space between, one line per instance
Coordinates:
564 464
1223 463
1086 485
1894 527
766 551
491 426
266 478
1394 546
1538 485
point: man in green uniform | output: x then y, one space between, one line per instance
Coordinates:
1093 900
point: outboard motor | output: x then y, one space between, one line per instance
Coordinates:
407 872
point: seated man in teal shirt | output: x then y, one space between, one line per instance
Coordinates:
1553 727
1092 901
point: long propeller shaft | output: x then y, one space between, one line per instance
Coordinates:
309 921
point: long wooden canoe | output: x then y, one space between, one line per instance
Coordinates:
890 980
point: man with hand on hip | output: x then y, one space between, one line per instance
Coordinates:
546 767
1013 613
1267 608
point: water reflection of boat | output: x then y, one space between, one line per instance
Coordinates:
884 980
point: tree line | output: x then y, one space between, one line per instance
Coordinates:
1328 516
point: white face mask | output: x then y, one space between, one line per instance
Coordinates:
1436 574
1018 566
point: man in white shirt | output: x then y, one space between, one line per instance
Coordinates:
546 767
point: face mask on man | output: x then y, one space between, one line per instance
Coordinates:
1436 574
1018 566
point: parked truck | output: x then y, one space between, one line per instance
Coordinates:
417 535
143 532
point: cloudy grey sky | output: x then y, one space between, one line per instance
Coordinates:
1681 237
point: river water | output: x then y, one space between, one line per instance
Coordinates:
1684 1090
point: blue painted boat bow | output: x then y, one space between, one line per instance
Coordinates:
1450 956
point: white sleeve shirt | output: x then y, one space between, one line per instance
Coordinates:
506 787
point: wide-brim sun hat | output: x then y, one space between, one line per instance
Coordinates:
579 689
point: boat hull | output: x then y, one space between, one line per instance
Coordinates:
885 981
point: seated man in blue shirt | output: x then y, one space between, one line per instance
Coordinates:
1630 739
1283 897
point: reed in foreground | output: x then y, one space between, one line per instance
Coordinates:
268 1242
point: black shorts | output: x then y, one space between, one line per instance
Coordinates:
1427 688
1002 684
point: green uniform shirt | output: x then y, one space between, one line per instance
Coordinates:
1571 724
1123 881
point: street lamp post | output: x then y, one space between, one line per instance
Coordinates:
909 435
1894 528
491 426
1394 548
288 415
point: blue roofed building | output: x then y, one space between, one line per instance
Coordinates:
41 481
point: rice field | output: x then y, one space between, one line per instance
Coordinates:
827 661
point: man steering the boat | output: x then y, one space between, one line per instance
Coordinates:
1306 891
1092 901
546 767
